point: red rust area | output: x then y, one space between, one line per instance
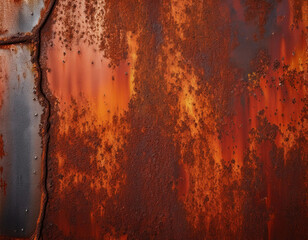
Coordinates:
176 120
3 184
257 11
2 153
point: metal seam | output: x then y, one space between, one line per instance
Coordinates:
35 38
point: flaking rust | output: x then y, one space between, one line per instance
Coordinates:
176 119
173 119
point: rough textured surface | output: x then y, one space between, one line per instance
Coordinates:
23 114
19 17
176 119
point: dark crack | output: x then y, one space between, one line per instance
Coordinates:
34 38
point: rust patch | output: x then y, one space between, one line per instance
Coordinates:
299 8
157 132
3 184
2 153
257 12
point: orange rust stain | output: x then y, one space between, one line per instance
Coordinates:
83 74
183 185
89 96
154 128
281 104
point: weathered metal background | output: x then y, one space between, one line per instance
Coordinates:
20 20
21 143
167 120
23 113
19 17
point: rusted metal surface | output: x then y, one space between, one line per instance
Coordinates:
19 17
174 119
23 113
21 150
21 20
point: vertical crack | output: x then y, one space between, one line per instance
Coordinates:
34 38
45 132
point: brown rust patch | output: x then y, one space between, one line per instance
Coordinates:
299 9
195 147
257 12
3 183
2 153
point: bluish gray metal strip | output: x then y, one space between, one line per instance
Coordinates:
19 126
